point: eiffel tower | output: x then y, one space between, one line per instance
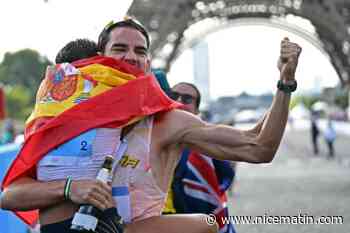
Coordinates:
169 20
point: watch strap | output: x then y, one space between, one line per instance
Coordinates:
287 88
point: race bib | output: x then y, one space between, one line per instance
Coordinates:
80 146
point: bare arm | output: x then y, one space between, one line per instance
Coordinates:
257 128
29 194
223 142
289 53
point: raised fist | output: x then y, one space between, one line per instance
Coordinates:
288 60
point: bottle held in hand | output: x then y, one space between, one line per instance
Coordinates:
86 218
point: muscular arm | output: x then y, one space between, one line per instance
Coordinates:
223 142
28 194
257 128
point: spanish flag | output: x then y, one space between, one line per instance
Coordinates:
74 98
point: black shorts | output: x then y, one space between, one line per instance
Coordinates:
58 227
109 222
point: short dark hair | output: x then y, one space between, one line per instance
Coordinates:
76 50
103 38
199 96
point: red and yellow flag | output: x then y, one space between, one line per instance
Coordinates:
91 93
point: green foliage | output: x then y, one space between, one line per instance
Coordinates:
25 68
295 101
308 101
18 103
21 73
342 100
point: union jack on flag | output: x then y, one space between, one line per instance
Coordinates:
200 185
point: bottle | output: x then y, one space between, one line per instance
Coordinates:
86 218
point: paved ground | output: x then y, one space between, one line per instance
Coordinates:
295 183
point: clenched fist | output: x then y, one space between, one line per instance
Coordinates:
288 60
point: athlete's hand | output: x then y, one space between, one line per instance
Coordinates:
92 192
288 60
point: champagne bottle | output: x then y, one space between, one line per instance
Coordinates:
86 218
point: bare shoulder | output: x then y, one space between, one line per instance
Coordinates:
172 125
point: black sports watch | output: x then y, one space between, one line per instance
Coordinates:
287 88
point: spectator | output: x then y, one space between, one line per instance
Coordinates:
314 132
200 182
330 136
9 132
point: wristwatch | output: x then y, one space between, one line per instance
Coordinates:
287 88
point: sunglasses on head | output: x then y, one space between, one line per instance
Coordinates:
111 24
127 22
183 98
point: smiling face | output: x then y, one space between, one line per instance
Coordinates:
129 45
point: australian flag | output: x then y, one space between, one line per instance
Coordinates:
200 185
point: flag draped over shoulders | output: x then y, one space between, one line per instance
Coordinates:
74 98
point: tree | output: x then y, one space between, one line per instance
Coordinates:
21 73
18 102
25 68
342 99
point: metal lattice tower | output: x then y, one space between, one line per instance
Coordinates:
168 20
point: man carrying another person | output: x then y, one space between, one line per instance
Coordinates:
156 142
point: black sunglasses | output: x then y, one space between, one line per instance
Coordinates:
183 98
